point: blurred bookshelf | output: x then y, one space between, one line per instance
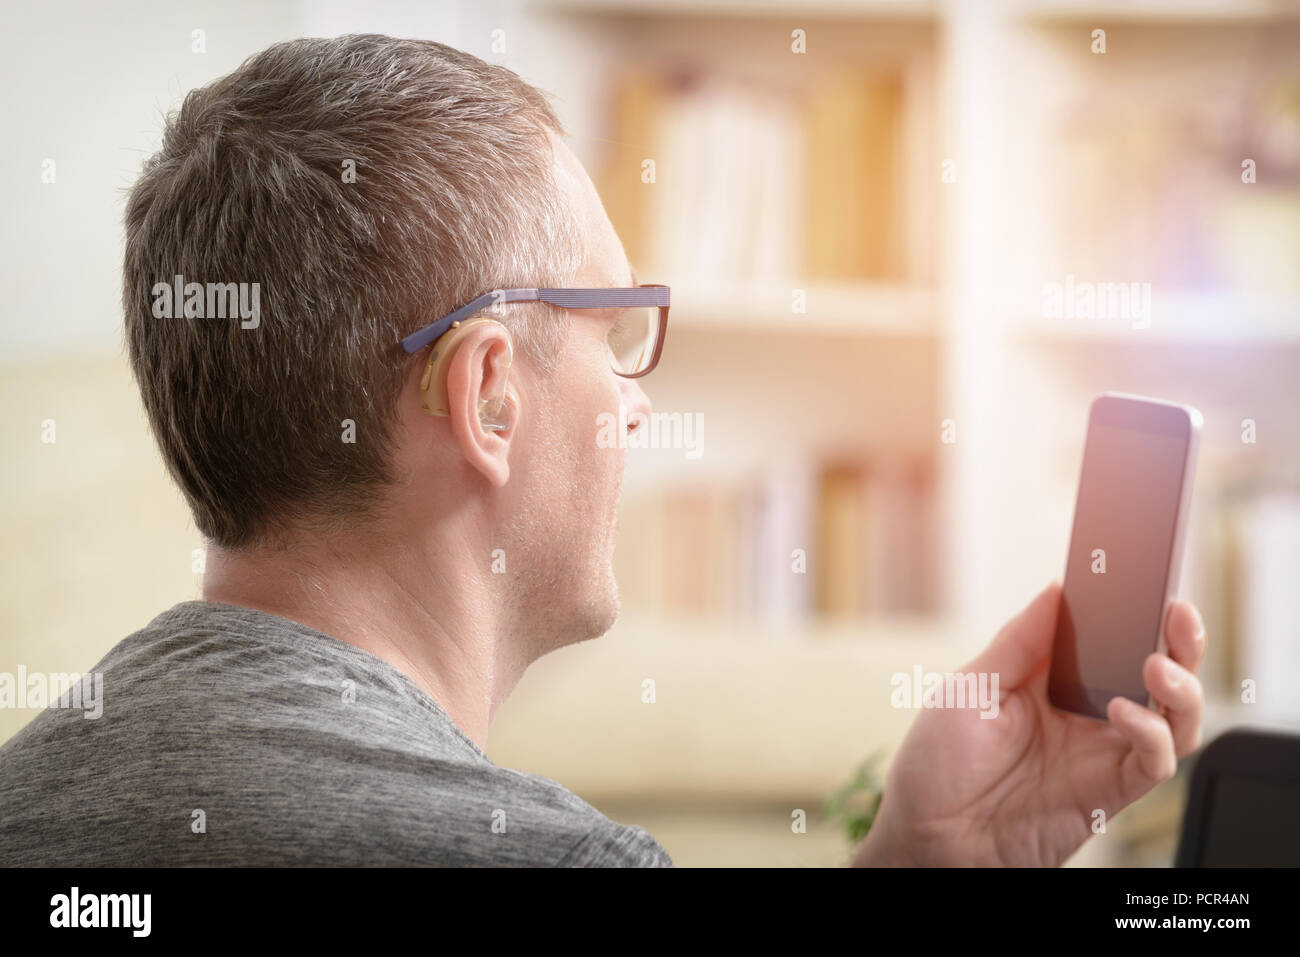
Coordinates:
837 299
781 178
785 206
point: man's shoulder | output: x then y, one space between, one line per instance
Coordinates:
609 844
568 831
219 745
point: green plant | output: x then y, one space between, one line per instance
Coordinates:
855 804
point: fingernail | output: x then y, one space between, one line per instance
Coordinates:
1173 673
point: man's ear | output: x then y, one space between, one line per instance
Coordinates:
481 407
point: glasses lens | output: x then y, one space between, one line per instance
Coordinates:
632 339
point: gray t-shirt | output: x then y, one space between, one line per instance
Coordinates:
230 736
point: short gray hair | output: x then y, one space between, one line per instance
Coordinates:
453 196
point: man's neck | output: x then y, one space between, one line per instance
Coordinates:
456 650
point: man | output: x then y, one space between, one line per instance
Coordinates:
379 577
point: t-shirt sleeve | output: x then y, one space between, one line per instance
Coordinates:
609 844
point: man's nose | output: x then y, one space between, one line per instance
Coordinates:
637 403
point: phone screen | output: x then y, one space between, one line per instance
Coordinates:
1121 552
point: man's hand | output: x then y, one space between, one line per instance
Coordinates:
1021 789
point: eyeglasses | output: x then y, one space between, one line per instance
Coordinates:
635 340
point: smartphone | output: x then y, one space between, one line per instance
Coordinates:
1126 550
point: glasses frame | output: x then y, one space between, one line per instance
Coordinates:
645 295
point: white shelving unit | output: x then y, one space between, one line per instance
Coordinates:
863 309
985 232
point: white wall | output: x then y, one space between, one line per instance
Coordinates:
87 84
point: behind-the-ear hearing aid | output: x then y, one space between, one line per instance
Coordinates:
492 410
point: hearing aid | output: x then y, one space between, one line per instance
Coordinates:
492 410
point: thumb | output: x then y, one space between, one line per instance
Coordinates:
1024 643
